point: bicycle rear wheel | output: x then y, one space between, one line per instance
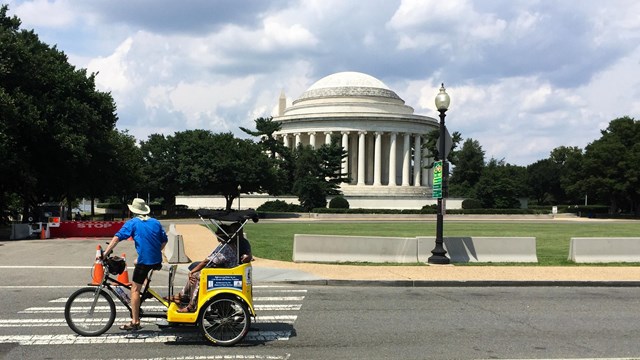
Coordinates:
86 319
225 321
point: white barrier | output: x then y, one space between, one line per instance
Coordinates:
482 249
604 249
20 231
334 248
174 250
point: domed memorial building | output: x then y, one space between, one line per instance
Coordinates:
383 138
382 135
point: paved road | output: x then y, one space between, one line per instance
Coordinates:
324 322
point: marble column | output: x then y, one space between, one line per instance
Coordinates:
377 160
312 139
297 139
361 157
327 137
285 140
392 159
406 159
417 161
345 146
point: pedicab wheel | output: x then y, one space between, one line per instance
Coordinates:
224 321
86 319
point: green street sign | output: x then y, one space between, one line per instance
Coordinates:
437 180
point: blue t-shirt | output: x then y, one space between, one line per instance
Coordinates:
148 236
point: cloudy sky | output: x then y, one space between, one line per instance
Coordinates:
524 76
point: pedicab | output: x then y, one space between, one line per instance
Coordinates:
225 298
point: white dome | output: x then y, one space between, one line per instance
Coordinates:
348 84
348 79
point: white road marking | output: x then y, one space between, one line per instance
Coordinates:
131 338
255 299
100 309
280 298
215 357
265 319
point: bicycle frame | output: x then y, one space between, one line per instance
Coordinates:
108 282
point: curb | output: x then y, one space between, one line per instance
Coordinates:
463 283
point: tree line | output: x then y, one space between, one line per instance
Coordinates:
59 143
605 172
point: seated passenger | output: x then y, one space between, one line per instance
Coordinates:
223 256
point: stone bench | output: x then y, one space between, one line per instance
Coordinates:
604 249
377 249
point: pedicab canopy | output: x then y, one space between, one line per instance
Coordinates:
233 216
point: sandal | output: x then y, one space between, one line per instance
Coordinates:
130 327
186 309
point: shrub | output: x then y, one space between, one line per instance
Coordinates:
429 209
471 204
279 206
338 202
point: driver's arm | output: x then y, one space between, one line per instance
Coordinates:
112 244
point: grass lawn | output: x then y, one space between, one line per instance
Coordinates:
275 240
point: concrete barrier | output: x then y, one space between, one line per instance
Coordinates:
174 250
20 231
482 249
603 249
334 248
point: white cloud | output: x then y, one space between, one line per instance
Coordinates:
112 71
54 14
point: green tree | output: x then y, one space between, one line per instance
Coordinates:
568 160
543 180
468 170
160 159
50 114
501 185
280 154
216 164
611 167
318 173
265 128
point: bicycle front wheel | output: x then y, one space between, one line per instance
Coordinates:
89 312
225 321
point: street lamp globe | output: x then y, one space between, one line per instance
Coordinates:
442 99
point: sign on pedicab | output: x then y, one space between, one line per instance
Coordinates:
224 281
437 179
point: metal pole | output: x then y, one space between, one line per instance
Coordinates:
439 253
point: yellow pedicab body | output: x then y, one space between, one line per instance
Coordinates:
215 282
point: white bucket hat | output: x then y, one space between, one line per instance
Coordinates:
139 207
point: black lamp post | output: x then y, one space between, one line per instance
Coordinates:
439 253
239 188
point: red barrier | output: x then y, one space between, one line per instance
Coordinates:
85 229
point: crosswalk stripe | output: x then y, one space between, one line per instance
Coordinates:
134 337
261 319
101 309
255 299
